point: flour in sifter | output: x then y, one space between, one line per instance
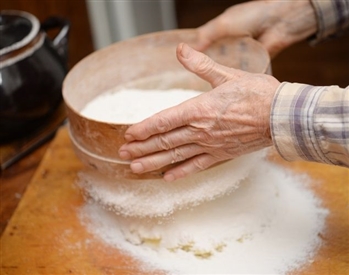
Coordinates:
128 106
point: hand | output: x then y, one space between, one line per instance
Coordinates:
222 124
275 24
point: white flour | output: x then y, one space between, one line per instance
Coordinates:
269 225
128 106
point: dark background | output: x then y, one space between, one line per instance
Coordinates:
325 64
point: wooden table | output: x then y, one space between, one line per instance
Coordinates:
14 181
45 236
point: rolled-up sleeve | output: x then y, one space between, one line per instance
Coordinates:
311 123
332 18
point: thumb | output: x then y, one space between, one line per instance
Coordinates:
203 66
273 44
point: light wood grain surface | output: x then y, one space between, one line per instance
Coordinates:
45 235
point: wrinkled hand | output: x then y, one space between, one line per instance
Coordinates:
275 24
226 122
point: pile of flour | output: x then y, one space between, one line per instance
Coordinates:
269 225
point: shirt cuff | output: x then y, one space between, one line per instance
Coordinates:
310 123
332 17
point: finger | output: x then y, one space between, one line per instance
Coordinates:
164 158
191 166
210 32
159 123
230 23
161 142
273 44
206 37
203 66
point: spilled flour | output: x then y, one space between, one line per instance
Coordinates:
269 225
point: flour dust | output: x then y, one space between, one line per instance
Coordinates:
157 198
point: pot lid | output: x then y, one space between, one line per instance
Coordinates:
17 29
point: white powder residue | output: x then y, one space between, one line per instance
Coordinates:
138 198
269 225
128 106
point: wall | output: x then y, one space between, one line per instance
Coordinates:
112 21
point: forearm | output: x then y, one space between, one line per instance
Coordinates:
311 123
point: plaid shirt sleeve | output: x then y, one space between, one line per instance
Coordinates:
332 18
311 123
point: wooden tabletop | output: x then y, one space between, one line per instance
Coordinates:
14 181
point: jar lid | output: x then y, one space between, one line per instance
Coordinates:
17 29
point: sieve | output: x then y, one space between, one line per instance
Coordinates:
144 62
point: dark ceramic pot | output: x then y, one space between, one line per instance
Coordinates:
32 69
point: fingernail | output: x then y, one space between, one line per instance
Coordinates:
137 167
129 138
185 50
169 177
124 155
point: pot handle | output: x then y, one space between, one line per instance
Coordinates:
60 42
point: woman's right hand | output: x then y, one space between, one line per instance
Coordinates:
231 120
275 24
